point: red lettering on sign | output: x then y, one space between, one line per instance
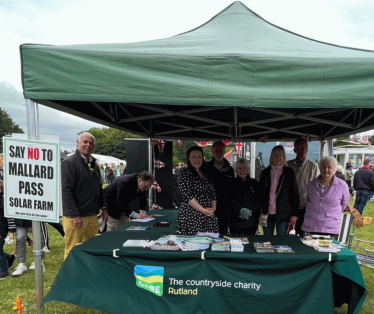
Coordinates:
33 153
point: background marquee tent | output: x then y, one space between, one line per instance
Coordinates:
235 77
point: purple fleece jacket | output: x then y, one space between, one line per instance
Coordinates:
324 214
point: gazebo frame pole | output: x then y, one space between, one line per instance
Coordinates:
32 114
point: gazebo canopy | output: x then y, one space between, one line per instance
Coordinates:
235 77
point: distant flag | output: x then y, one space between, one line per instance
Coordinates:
156 206
153 142
179 143
156 186
286 139
239 147
306 137
263 139
365 140
161 145
18 305
226 142
203 143
159 164
289 144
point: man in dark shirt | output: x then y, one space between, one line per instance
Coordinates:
82 194
363 183
220 173
121 193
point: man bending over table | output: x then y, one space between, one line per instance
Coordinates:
121 193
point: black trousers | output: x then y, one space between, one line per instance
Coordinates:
249 231
300 221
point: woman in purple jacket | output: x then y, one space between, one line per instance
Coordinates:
328 196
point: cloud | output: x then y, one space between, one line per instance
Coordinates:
51 121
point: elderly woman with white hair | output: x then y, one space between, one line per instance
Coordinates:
244 201
328 197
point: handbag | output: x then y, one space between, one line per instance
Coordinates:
264 220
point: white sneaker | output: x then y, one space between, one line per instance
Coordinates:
19 270
32 266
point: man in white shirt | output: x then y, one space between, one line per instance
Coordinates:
306 170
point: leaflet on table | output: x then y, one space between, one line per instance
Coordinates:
142 220
192 246
139 228
208 234
316 244
158 215
134 243
170 246
186 243
220 246
244 240
332 248
263 247
236 245
283 249
180 238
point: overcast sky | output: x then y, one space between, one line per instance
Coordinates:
62 22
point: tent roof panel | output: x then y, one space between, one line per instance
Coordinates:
235 61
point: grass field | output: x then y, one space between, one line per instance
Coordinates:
25 284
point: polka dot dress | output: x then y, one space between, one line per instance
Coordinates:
191 221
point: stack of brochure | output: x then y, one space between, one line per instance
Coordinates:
138 228
158 215
170 246
236 245
187 243
283 249
332 248
221 246
263 247
243 240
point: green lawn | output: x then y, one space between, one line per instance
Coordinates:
25 284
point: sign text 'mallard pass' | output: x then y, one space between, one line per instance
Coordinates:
31 179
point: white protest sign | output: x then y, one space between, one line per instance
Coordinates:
31 179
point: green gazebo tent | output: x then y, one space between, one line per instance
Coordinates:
235 77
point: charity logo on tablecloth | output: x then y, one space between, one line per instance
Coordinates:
150 278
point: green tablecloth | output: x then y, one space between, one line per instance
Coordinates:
210 282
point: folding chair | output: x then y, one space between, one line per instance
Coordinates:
345 237
366 259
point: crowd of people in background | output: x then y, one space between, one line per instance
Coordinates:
111 172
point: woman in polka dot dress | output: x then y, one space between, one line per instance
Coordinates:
196 213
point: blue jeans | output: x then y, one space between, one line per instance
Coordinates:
362 197
271 224
3 256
